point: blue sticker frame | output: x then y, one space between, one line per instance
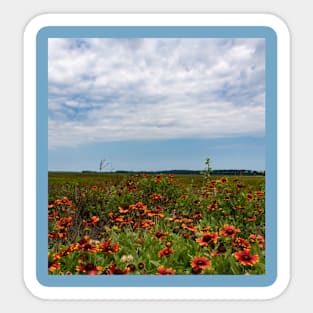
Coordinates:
270 37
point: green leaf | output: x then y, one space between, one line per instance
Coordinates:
155 263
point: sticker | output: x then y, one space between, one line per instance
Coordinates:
156 156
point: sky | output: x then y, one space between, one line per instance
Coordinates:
154 104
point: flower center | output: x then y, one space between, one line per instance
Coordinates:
222 249
246 257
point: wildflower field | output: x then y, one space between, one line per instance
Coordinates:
106 224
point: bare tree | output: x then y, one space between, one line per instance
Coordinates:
105 164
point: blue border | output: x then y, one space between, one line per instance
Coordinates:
42 157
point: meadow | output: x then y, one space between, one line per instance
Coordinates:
151 224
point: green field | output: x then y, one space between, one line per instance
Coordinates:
69 182
107 223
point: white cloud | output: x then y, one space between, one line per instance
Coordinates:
122 89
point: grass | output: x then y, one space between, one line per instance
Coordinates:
155 224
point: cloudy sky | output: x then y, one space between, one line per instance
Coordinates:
157 103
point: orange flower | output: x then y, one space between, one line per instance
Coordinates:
94 220
189 227
124 209
158 179
146 224
205 228
170 181
229 231
53 266
166 252
138 206
207 238
223 180
250 196
245 258
155 196
131 188
197 215
64 222
160 235
259 194
165 271
257 238
200 262
251 218
241 244
106 247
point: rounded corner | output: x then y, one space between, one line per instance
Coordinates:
277 24
278 287
34 287
36 24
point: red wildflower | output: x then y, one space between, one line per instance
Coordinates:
116 271
53 266
166 252
251 218
214 206
250 196
245 258
160 235
229 231
138 206
257 238
223 180
64 222
158 179
123 209
155 196
131 188
94 220
259 194
155 212
165 271
241 244
106 247
207 238
189 227
205 228
261 241
170 181
197 215
200 262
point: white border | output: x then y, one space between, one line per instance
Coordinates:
283 156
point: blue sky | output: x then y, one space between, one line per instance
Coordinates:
157 103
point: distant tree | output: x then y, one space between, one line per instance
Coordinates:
104 164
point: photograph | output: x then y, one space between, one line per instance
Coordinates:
158 155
